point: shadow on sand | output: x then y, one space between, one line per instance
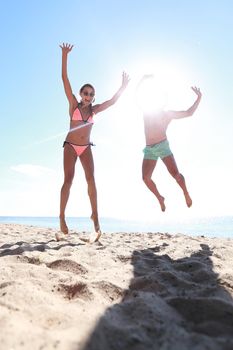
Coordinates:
21 247
170 305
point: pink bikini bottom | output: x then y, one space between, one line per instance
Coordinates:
79 149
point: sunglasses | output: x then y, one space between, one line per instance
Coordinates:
86 93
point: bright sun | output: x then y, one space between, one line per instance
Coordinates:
150 94
168 87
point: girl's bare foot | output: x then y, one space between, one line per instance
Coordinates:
95 220
95 236
60 236
63 227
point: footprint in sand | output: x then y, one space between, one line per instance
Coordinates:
6 284
67 265
108 290
145 284
75 291
124 258
30 260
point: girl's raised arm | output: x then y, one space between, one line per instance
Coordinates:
66 48
102 106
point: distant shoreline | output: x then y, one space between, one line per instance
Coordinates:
211 227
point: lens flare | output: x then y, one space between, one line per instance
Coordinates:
151 95
56 136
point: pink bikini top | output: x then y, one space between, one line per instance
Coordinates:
78 116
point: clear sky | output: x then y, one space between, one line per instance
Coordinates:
187 42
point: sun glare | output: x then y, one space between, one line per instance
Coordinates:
151 96
167 88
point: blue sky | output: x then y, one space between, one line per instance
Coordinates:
189 42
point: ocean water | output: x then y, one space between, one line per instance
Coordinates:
221 226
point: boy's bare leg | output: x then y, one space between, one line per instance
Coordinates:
173 170
148 166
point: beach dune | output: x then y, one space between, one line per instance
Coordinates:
128 291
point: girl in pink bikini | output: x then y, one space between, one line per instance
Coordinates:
77 143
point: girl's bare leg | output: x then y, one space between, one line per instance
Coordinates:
173 170
69 161
148 166
87 162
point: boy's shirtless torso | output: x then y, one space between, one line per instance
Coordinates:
155 126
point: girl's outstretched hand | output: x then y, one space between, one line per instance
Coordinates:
125 79
197 91
66 48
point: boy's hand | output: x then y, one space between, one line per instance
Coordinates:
197 91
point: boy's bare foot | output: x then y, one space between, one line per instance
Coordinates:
188 199
161 202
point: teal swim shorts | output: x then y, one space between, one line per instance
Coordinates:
158 150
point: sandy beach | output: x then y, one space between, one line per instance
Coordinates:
128 291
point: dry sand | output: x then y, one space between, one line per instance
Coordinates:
128 291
